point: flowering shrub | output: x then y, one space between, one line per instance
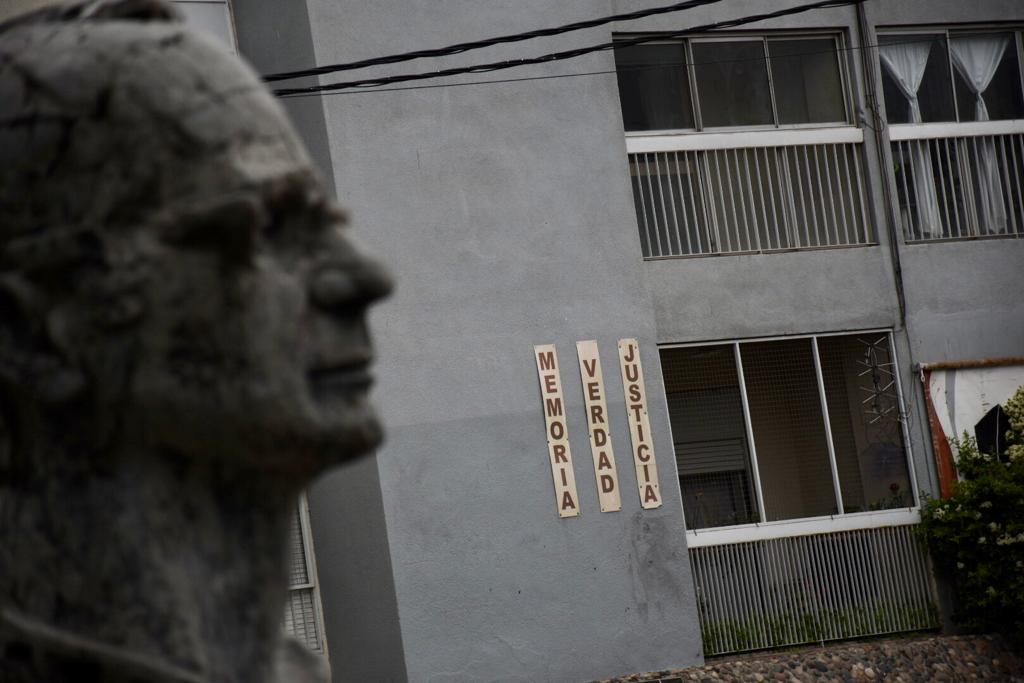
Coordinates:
976 536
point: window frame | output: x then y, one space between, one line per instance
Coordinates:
839 521
694 112
838 38
947 30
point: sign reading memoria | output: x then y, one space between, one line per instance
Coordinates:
597 421
566 498
639 423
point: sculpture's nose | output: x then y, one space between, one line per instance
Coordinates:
349 286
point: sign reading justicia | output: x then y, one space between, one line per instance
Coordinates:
639 423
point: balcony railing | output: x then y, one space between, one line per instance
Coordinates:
760 191
959 180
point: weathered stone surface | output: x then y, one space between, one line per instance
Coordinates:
182 348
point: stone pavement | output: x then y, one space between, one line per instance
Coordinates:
911 659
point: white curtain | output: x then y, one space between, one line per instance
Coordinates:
906 63
977 58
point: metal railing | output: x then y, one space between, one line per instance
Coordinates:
742 192
802 589
959 180
303 614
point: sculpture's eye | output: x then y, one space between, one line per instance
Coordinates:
299 211
228 226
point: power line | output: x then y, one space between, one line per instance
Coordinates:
634 67
487 42
566 54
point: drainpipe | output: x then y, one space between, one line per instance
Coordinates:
876 124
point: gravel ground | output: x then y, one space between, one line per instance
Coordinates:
900 660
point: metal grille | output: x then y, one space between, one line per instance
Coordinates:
302 611
960 187
298 573
756 199
803 589
300 618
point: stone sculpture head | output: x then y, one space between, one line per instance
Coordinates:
183 344
167 255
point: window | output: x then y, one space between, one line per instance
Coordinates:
951 76
786 429
653 87
792 180
736 82
959 177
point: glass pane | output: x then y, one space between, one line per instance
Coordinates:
987 61
732 83
805 75
916 63
653 87
789 432
706 412
864 412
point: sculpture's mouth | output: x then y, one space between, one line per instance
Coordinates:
345 378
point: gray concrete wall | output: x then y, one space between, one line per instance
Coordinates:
505 210
505 213
354 568
836 17
963 299
275 37
941 12
763 295
346 510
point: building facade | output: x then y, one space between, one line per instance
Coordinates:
789 223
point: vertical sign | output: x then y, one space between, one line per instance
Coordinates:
597 421
566 499
639 423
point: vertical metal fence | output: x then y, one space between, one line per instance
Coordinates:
753 199
803 589
960 187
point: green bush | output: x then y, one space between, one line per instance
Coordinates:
976 536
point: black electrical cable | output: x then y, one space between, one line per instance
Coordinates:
566 54
626 69
487 42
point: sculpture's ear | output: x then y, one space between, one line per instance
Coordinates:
30 365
